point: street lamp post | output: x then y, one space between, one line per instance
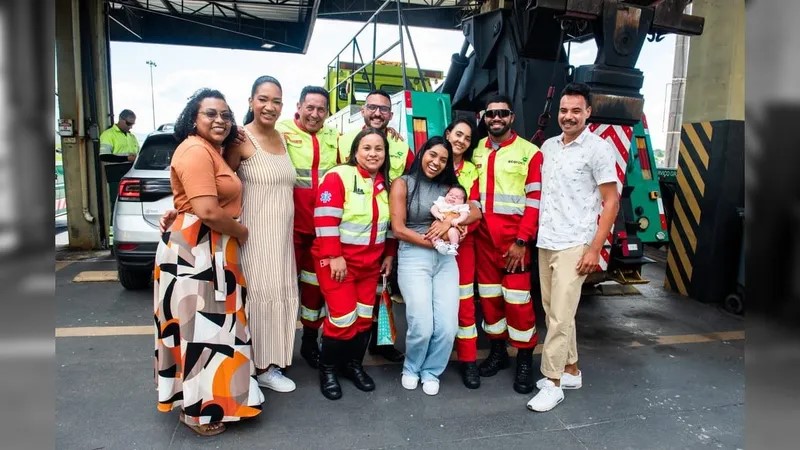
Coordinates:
152 95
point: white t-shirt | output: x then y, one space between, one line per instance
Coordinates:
571 201
445 207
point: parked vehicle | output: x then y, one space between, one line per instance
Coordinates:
144 195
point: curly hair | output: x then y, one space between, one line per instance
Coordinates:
185 123
473 134
351 161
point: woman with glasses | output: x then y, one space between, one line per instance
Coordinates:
428 280
460 134
203 354
268 259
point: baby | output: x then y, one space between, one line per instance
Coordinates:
452 205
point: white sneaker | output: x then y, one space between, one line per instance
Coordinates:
274 379
567 381
548 397
441 246
430 387
452 249
409 382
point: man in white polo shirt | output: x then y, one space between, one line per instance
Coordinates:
579 181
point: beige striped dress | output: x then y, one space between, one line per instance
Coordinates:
268 255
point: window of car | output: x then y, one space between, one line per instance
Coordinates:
156 152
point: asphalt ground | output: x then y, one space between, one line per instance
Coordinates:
660 371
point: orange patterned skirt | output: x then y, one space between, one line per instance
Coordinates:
203 358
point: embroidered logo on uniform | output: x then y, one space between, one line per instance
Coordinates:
379 186
325 197
399 154
524 159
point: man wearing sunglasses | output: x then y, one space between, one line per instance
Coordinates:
377 112
118 149
509 177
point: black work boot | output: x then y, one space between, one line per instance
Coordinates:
523 381
469 375
497 359
309 349
388 352
333 351
353 368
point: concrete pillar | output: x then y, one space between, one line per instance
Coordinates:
706 227
715 77
79 171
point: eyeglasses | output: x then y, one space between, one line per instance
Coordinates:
501 113
130 124
212 115
383 109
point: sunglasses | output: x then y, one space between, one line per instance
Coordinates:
212 115
501 113
383 109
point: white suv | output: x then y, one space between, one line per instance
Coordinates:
144 195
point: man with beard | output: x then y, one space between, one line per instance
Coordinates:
312 148
377 112
579 181
509 177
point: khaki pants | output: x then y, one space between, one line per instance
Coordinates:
561 292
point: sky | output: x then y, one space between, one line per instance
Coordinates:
180 70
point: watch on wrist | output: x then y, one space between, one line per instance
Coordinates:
520 242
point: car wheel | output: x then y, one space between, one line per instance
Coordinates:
134 279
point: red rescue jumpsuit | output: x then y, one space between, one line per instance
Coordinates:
466 344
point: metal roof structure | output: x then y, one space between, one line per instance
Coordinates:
266 25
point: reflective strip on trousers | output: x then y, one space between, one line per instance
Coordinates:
495 328
530 187
516 297
326 231
364 311
490 290
308 278
311 315
521 336
508 209
327 211
466 291
343 321
469 332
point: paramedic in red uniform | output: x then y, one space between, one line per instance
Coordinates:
509 179
350 252
460 133
312 147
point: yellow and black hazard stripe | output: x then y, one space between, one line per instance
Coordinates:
687 215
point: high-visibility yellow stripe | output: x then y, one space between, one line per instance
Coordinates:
364 311
521 335
343 321
490 290
470 332
308 278
309 314
516 297
498 327
685 225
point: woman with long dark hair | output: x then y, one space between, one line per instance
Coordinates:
428 280
203 355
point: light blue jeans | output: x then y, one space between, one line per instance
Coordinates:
429 283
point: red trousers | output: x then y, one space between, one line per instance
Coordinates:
311 300
505 297
467 336
350 302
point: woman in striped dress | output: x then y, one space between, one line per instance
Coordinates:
268 260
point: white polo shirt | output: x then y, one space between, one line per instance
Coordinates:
571 201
